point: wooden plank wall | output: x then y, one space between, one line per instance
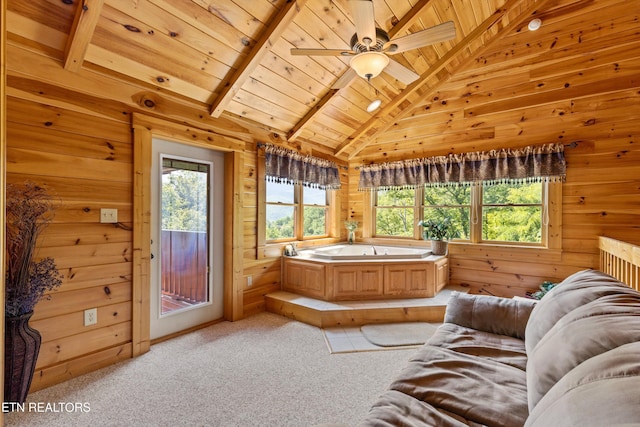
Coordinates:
579 86
86 163
3 169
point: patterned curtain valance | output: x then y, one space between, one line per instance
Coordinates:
530 164
283 165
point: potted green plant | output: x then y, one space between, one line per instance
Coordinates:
439 232
29 209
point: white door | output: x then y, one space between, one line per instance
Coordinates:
187 237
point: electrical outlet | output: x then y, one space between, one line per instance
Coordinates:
90 317
108 215
249 281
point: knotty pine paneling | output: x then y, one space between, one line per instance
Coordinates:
85 161
577 82
584 93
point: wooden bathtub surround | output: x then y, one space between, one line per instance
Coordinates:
365 280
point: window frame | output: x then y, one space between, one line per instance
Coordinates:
273 248
374 217
551 237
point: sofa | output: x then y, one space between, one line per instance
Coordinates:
570 359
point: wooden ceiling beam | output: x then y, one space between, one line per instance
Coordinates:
84 24
404 24
409 19
318 108
277 26
386 116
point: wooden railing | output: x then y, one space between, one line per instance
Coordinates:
621 260
184 265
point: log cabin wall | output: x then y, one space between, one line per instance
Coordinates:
71 130
584 91
85 160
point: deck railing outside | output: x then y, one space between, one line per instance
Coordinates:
184 265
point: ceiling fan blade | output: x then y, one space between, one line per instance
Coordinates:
322 52
364 20
439 33
400 72
344 79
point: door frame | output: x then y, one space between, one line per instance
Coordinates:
167 324
144 129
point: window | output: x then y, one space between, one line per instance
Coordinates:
512 213
280 211
500 213
295 212
395 213
449 202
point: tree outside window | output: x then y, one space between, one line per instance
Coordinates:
295 212
395 213
510 212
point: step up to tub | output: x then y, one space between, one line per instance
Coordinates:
356 313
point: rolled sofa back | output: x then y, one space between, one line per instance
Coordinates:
592 320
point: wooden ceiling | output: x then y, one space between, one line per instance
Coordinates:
232 58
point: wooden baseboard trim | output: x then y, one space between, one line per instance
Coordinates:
46 377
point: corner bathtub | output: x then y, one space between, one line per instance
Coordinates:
363 272
368 252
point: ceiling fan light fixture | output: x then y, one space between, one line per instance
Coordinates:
369 64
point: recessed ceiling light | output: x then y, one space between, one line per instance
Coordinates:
374 105
534 24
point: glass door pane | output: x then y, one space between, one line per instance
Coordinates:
184 234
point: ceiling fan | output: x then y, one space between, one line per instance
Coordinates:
370 46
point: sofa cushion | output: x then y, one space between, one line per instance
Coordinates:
592 329
396 409
575 291
481 390
602 391
488 313
501 348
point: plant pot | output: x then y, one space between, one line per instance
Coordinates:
21 348
439 247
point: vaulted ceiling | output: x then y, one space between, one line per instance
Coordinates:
232 58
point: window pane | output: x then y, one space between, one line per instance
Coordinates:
404 197
459 219
185 198
449 195
450 202
394 212
279 192
314 221
518 194
280 221
314 196
512 224
394 221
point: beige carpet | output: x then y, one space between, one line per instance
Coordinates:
399 334
266 370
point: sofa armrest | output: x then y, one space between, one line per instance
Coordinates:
496 315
